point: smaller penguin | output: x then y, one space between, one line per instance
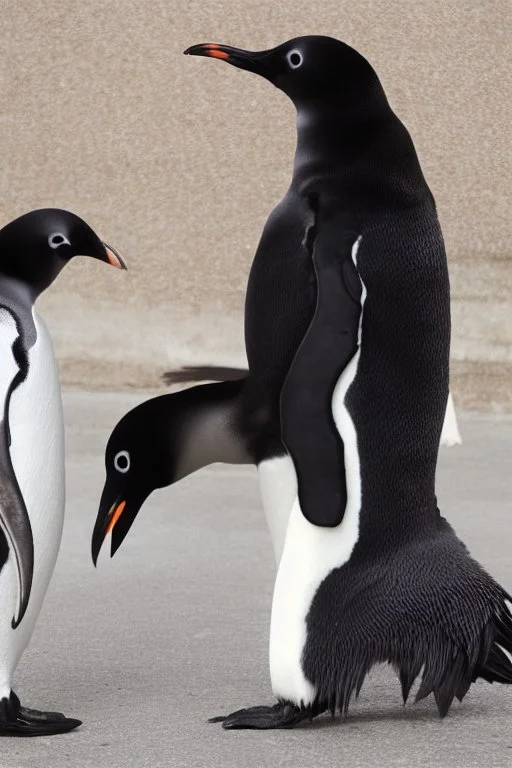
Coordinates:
33 250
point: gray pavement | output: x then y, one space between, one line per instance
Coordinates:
174 629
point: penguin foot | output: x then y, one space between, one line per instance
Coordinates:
16 720
282 715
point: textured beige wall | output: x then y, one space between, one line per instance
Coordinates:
177 162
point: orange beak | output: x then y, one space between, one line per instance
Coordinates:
116 513
253 61
215 51
113 257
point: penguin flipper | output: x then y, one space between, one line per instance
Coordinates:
308 428
14 519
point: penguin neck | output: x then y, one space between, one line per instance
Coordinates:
17 291
330 139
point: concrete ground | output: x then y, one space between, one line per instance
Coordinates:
174 629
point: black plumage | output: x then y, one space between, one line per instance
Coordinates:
409 593
425 607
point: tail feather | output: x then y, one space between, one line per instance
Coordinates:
486 641
191 373
407 675
448 671
463 688
438 666
496 666
456 677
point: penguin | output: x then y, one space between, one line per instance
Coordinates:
33 250
347 330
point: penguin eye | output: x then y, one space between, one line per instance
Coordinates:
294 59
122 461
57 239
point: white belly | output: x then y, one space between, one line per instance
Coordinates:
37 453
278 488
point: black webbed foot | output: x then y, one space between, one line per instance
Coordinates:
16 720
282 715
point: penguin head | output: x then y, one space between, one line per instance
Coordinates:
35 247
308 69
138 460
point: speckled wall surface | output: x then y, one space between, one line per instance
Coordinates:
178 161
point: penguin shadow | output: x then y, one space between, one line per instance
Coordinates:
412 713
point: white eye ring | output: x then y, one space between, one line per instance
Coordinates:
293 61
122 455
57 239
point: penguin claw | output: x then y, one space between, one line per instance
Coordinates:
16 720
282 715
38 724
35 714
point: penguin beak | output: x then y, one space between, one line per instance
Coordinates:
116 518
111 256
252 61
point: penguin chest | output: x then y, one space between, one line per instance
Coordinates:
37 455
